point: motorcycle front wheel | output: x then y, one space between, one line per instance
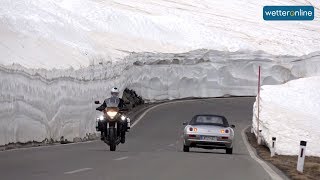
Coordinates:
112 135
113 147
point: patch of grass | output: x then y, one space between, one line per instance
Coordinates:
288 164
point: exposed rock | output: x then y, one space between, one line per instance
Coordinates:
138 63
131 98
175 61
77 139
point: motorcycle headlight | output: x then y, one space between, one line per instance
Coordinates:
123 118
112 114
101 118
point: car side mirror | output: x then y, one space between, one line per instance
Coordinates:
232 126
97 102
185 123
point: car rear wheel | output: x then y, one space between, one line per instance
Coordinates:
229 150
186 148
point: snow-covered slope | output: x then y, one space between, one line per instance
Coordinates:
290 112
63 33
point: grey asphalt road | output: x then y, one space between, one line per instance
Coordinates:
153 151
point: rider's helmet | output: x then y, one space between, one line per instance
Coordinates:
115 92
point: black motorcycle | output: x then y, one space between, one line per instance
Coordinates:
113 124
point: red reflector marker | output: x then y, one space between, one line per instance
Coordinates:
192 135
224 137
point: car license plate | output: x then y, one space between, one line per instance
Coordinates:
208 138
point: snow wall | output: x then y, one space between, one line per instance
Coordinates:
62 33
37 103
290 112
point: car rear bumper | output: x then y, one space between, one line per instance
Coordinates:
208 144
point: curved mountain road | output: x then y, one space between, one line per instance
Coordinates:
153 151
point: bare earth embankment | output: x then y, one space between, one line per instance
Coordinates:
287 164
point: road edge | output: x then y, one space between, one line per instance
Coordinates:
274 175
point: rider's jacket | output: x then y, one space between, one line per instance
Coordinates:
121 104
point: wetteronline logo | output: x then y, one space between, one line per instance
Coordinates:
288 13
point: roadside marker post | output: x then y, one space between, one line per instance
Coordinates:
273 150
258 99
301 156
259 137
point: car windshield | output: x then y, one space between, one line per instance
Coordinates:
209 120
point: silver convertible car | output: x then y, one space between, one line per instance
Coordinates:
209 132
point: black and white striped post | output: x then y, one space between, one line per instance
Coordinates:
301 156
273 150
259 137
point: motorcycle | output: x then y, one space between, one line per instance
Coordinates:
113 124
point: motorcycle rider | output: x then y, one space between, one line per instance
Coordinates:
124 126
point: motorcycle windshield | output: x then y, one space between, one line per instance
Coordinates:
112 102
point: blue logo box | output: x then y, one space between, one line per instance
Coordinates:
288 13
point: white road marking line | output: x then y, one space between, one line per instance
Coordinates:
78 170
122 158
143 114
165 103
265 166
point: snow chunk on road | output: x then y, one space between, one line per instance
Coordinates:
290 112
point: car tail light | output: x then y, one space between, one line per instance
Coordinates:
192 135
224 137
193 129
222 131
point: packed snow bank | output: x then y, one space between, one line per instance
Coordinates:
64 33
159 76
290 112
37 103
